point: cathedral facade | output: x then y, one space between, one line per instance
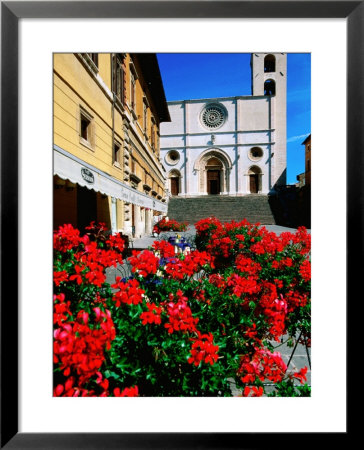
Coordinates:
232 145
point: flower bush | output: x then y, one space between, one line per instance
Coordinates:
257 261
169 225
180 325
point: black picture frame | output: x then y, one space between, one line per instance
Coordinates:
11 12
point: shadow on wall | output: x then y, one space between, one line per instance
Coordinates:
291 206
281 182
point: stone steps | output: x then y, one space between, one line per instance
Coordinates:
254 208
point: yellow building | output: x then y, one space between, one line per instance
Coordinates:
107 113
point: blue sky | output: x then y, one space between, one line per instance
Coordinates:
207 75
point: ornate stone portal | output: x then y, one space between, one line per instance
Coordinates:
213 160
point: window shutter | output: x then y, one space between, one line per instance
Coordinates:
123 85
114 67
95 59
118 81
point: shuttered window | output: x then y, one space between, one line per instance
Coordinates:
152 134
118 78
145 116
132 90
94 58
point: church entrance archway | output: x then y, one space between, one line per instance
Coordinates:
213 182
255 180
174 182
213 174
174 186
214 168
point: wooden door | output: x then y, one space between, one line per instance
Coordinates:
213 182
175 186
254 183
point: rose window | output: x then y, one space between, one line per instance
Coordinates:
213 116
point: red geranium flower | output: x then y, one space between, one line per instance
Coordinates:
127 392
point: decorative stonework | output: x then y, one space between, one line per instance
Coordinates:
201 167
213 116
134 180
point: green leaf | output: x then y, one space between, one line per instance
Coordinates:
110 374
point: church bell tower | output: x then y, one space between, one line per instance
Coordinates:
269 79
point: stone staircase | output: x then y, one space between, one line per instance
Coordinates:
254 208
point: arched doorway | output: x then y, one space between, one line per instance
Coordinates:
213 176
213 168
255 180
174 182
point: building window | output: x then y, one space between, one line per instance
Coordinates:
116 153
269 63
172 157
255 153
270 88
145 116
94 58
118 78
91 60
132 91
86 129
152 134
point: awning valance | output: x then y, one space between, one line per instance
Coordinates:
69 167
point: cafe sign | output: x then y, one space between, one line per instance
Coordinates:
87 175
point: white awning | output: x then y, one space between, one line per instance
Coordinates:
69 167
